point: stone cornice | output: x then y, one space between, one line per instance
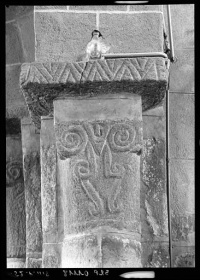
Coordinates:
41 83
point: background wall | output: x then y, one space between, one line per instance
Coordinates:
60 33
181 135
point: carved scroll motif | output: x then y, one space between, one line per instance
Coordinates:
14 172
96 142
71 140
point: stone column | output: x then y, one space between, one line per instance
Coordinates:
97 108
49 190
31 167
99 141
15 204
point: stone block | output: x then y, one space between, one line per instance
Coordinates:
182 200
15 102
154 127
14 12
181 126
51 7
182 20
51 256
62 36
14 50
99 8
127 33
15 200
48 181
16 263
32 181
100 178
145 7
120 251
81 252
182 72
26 29
155 254
153 195
183 256
33 263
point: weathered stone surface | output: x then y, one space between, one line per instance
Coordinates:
154 127
158 111
145 7
33 263
81 252
155 254
14 12
93 157
26 28
154 216
182 201
32 181
16 263
182 25
41 83
182 72
100 8
183 256
62 36
127 33
15 102
51 256
15 200
48 181
98 166
120 251
181 126
14 51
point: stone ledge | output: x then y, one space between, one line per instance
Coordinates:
41 83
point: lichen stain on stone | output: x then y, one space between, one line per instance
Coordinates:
158 258
151 220
185 260
153 177
182 227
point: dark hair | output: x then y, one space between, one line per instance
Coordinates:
100 35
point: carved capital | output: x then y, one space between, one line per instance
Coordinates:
41 83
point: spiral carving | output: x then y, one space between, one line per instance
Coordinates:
82 169
71 140
121 137
13 172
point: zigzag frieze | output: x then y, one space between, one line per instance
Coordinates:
43 82
97 70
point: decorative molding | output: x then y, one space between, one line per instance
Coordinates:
41 83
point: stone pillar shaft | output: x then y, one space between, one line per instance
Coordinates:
98 143
32 185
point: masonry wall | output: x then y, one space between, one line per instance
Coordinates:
181 136
60 33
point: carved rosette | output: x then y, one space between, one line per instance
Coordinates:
94 146
14 173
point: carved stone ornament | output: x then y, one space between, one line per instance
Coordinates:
14 172
96 150
41 83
